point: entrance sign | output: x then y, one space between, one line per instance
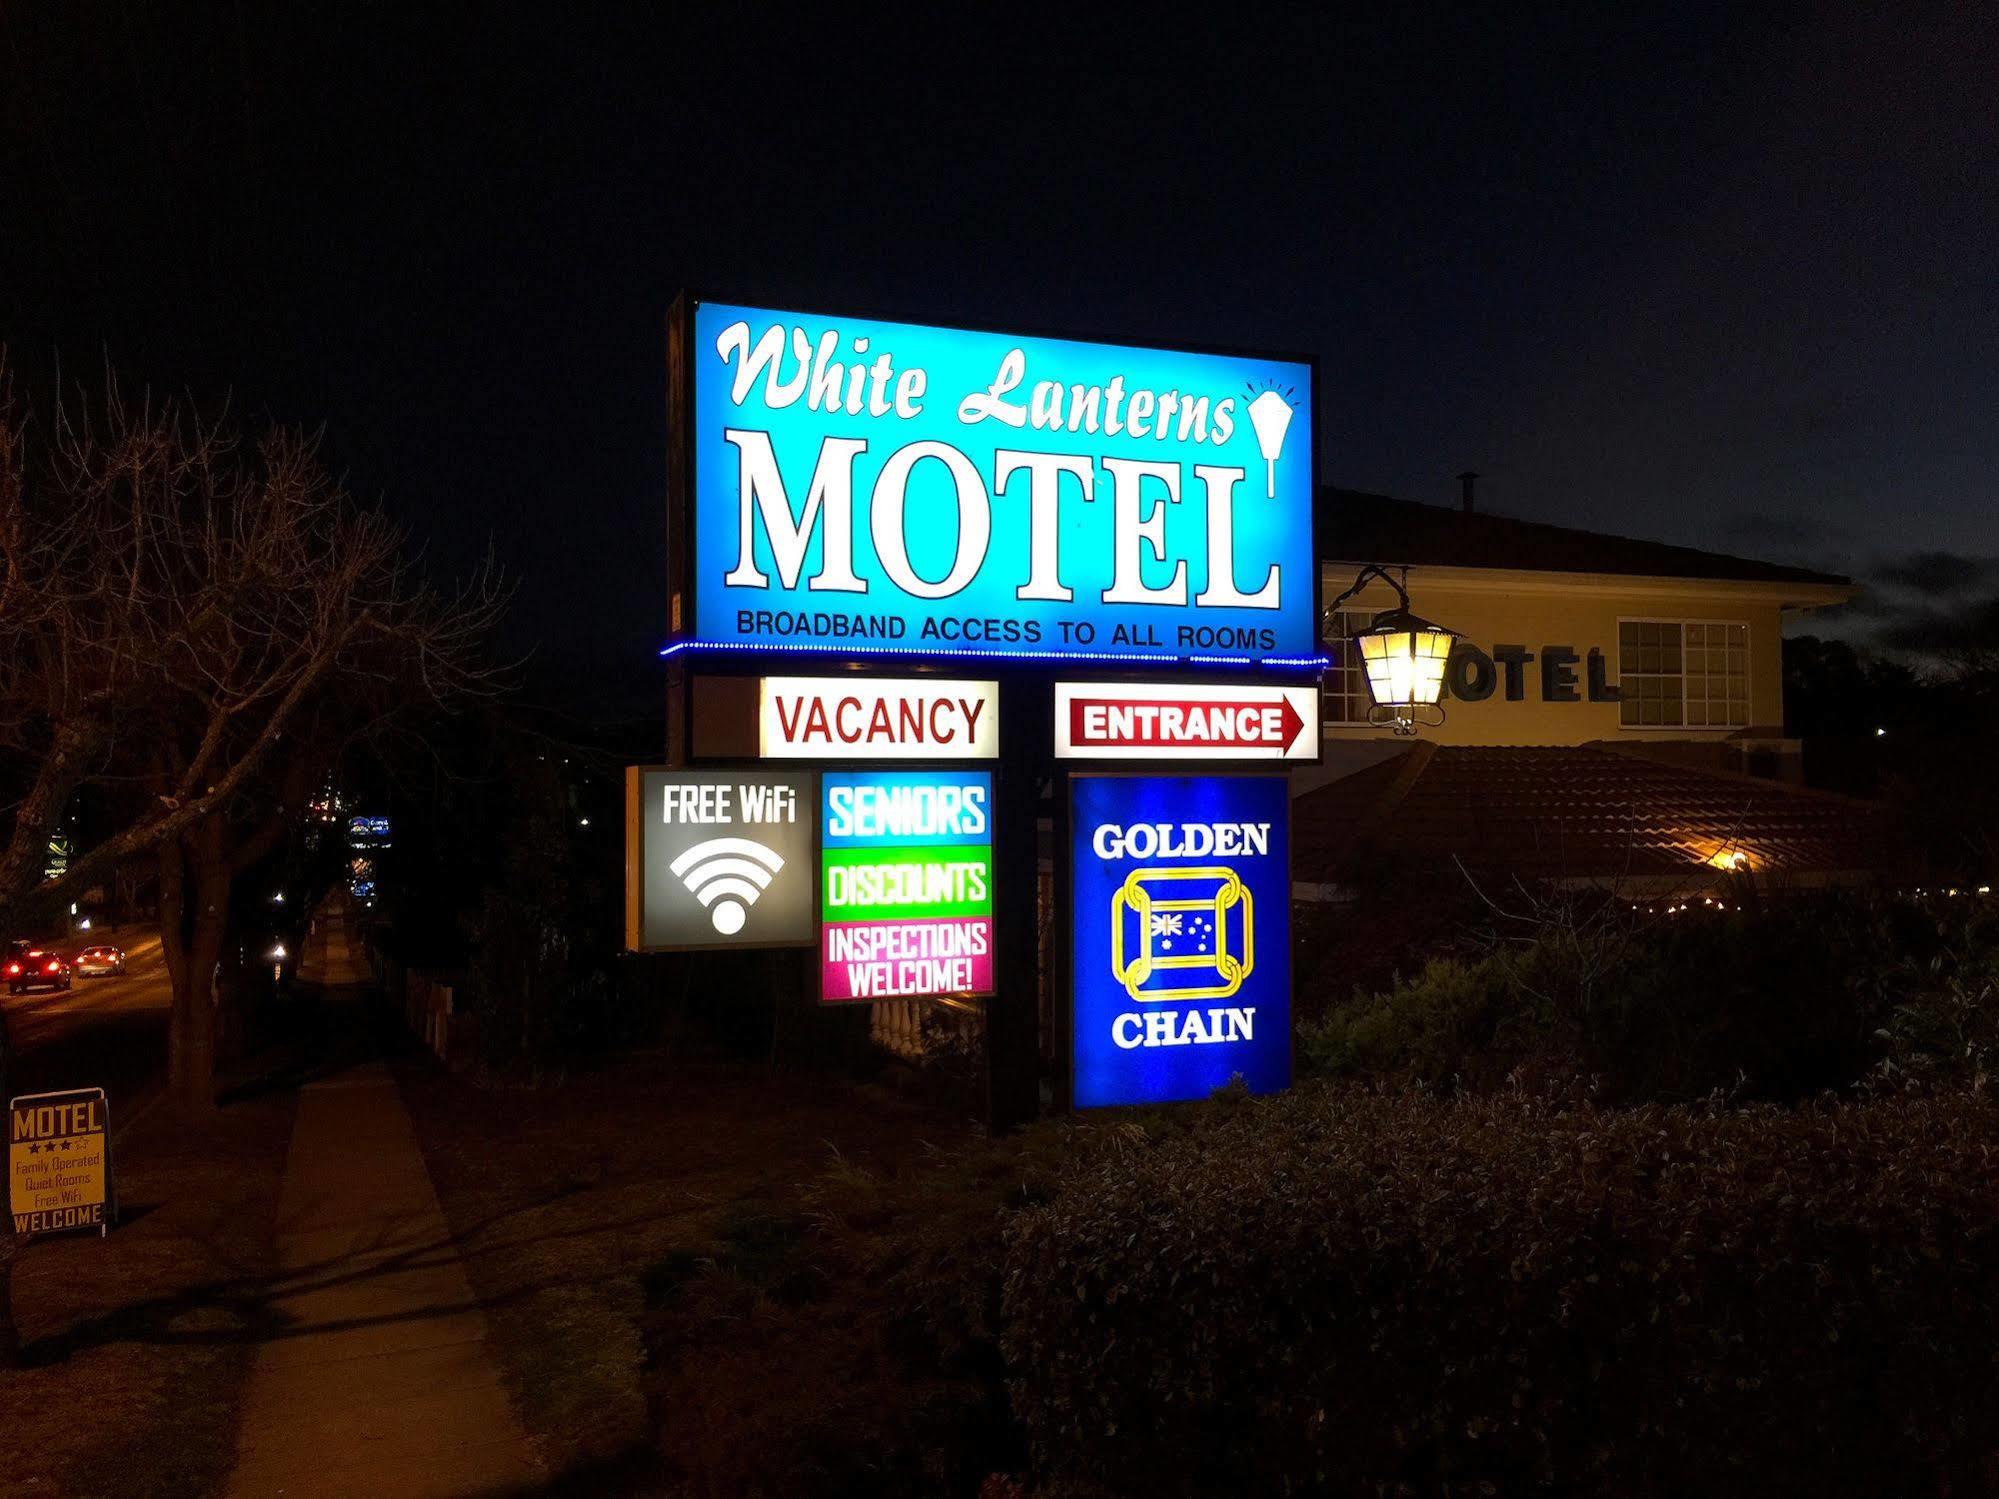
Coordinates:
1180 948
906 884
58 1161
718 858
877 718
866 487
1170 721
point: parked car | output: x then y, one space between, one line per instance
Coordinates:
101 961
29 967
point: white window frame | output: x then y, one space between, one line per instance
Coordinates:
1683 727
1365 699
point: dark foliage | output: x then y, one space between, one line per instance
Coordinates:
1773 1000
1349 1293
852 1348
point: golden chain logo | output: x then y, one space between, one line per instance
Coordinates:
1190 920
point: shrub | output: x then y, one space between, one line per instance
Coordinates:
1441 1027
1775 1001
1340 1291
1941 1014
851 1347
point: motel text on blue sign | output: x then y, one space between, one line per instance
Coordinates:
864 487
1181 950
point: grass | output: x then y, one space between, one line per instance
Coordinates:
137 1345
566 1198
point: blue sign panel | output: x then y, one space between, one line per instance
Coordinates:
1181 947
872 488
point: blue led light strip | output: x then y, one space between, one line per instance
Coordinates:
1318 663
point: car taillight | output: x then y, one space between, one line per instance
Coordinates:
13 969
55 966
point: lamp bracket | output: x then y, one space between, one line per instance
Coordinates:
1362 578
1406 718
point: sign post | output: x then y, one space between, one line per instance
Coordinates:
870 496
1013 1015
59 1162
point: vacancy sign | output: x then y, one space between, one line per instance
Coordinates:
877 718
58 1162
906 884
1162 721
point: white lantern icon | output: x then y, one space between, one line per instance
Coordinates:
1270 414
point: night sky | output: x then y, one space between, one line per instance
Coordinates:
1714 277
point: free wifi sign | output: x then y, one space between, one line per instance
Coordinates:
727 875
719 858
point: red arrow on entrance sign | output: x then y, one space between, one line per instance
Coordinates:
1166 722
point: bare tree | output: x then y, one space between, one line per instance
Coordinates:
211 621
208 626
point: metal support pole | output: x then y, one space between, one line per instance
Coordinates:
1013 1031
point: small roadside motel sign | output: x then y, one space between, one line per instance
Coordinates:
877 718
58 1162
1182 721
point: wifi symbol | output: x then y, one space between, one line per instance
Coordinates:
727 875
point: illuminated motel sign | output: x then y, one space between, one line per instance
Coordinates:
862 488
882 534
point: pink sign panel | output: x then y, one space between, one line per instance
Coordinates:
896 959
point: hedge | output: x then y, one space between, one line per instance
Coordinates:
1342 1291
1774 1001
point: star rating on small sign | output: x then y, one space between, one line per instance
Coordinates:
51 1146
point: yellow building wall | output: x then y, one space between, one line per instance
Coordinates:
1491 607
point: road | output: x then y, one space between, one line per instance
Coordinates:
108 1033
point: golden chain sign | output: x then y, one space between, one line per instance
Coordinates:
58 1161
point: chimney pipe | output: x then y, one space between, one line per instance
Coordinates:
1466 480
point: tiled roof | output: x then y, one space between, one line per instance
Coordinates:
1358 527
1580 812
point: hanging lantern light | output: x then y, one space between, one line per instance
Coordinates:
1404 656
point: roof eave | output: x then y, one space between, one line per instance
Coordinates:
1787 593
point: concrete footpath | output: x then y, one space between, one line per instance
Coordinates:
378 1379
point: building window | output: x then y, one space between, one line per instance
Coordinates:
1678 673
1347 699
